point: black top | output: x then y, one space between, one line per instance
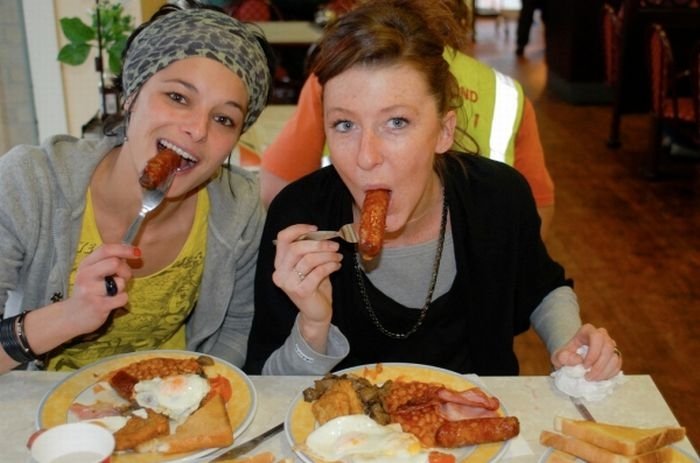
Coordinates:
503 273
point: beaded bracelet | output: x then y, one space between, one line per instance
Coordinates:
15 346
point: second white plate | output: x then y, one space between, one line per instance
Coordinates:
299 421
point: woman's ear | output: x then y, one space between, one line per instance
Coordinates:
128 107
447 132
129 102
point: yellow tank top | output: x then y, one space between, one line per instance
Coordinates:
158 303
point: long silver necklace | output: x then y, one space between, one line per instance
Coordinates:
428 299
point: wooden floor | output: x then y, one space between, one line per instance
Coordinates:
631 245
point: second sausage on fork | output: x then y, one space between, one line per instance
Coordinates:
372 223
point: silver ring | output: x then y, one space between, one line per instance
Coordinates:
300 275
111 286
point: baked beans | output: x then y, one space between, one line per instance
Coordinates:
410 393
422 422
162 367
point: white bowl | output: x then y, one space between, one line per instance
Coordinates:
73 443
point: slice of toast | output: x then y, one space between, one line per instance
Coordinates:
625 440
592 453
208 427
557 456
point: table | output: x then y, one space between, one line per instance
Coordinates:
532 399
293 33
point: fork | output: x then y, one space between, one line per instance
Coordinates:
346 233
150 201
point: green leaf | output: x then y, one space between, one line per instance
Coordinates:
119 45
115 60
115 29
76 30
74 54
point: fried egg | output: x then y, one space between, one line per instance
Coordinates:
358 439
174 396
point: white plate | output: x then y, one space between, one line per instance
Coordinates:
78 387
299 421
679 456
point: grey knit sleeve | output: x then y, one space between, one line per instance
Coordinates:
556 320
296 357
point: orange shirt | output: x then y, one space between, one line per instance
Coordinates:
529 158
297 149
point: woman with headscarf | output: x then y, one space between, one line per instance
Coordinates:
70 291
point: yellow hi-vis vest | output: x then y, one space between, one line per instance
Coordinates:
491 111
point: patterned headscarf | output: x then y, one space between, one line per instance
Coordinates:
200 32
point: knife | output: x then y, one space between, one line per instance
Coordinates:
585 413
249 445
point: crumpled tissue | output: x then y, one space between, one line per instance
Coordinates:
570 380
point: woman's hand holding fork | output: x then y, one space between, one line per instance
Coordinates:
302 271
92 303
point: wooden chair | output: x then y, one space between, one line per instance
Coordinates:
675 108
612 42
631 93
612 27
695 86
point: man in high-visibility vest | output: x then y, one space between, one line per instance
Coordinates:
496 120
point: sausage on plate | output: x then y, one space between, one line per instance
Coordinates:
476 431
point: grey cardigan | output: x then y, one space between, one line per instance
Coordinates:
42 200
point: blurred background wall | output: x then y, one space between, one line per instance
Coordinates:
17 117
39 96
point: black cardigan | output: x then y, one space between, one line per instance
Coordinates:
503 273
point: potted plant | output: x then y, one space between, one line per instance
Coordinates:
108 32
